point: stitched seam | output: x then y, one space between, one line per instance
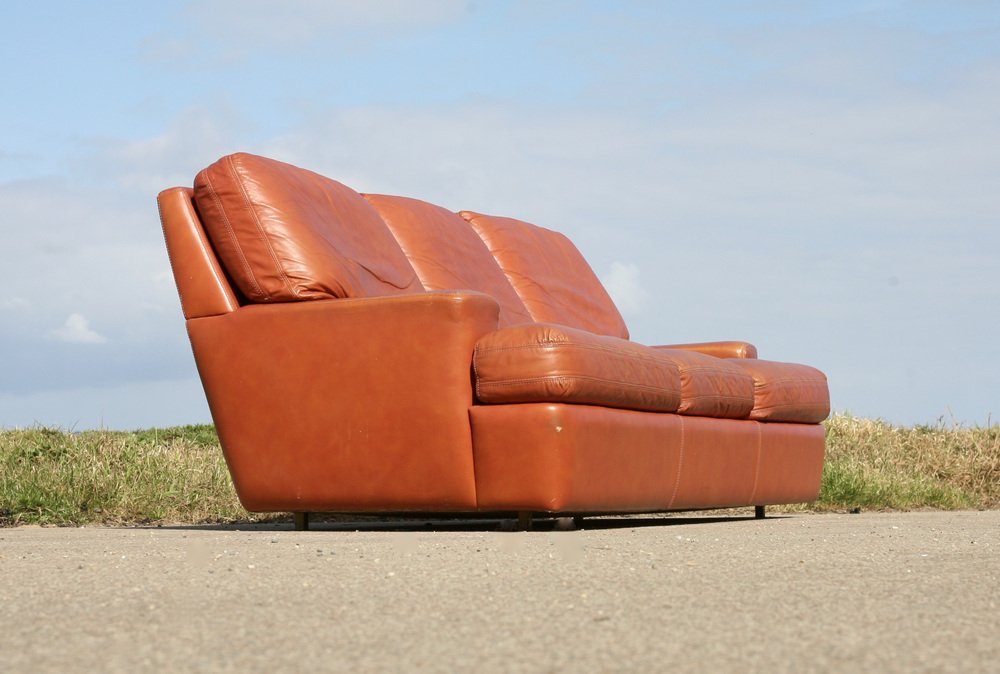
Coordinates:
802 406
570 377
756 472
591 347
475 370
719 396
773 382
714 370
680 466
241 257
263 234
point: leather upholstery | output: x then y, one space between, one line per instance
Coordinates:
566 458
201 283
582 458
358 404
790 469
710 387
285 234
549 274
446 254
787 391
553 363
718 349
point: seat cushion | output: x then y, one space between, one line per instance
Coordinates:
446 254
786 391
549 274
285 233
710 386
554 363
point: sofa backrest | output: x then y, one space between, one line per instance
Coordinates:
446 253
549 274
284 233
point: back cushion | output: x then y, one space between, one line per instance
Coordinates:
285 234
549 274
446 254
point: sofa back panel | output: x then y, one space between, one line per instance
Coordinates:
284 233
446 254
551 276
201 283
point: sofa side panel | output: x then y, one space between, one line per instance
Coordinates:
791 463
574 458
346 405
203 287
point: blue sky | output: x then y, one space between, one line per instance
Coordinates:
821 179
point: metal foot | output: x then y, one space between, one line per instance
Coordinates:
566 524
301 521
524 520
758 512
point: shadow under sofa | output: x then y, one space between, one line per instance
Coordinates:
373 353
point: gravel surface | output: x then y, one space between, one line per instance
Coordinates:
879 592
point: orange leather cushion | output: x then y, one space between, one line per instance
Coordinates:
285 233
446 254
787 391
549 274
710 386
554 363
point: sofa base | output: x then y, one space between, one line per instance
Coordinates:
557 459
578 458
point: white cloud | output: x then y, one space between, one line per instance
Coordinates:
77 330
623 284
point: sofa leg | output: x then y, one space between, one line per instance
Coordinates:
301 521
524 520
758 512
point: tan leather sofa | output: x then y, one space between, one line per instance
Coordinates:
370 353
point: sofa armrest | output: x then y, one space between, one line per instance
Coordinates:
347 404
717 349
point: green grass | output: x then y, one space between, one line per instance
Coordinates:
179 475
157 475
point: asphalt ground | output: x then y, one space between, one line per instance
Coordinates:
872 592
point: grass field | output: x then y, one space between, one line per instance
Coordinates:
178 474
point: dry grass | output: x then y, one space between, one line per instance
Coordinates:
873 464
179 475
